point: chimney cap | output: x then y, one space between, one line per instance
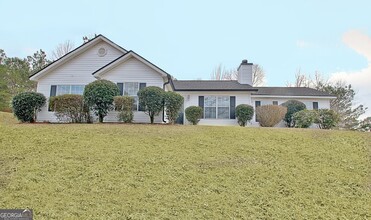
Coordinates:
244 61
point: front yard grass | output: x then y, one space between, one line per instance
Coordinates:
117 171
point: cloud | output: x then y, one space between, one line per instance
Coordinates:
359 79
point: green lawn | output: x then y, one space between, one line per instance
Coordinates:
117 171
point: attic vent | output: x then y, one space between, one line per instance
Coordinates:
102 52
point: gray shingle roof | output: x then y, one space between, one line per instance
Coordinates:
211 85
289 91
233 85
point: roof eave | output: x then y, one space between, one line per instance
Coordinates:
215 90
294 96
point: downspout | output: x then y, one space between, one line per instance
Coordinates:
163 87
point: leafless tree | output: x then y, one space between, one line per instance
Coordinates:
301 80
220 73
62 49
317 81
258 75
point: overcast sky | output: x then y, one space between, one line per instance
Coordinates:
189 38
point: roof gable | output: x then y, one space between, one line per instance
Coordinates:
126 57
74 53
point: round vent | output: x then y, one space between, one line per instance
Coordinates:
102 52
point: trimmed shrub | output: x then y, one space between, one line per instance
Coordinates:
305 118
193 114
270 115
151 98
70 108
292 106
173 103
124 104
99 96
27 104
327 118
244 113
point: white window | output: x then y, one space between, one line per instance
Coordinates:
70 89
223 107
131 89
216 107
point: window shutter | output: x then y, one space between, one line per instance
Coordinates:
257 104
121 88
141 86
315 105
53 92
201 104
232 107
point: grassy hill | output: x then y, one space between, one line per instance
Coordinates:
116 171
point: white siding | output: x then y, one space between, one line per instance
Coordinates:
133 70
191 99
77 71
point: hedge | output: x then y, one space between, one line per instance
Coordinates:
27 104
173 102
244 113
70 108
193 114
124 105
270 115
292 106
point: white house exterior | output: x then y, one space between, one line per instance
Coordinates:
100 58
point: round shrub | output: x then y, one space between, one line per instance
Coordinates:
270 115
244 113
327 118
305 118
124 104
70 108
99 96
193 114
173 103
151 98
292 106
27 104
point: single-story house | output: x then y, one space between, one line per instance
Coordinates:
100 58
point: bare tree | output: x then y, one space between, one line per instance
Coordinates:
317 81
258 75
220 73
301 80
62 49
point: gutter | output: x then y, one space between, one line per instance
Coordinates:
163 87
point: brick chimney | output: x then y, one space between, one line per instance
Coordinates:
245 73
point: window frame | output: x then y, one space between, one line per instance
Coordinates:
57 92
216 106
136 98
275 102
